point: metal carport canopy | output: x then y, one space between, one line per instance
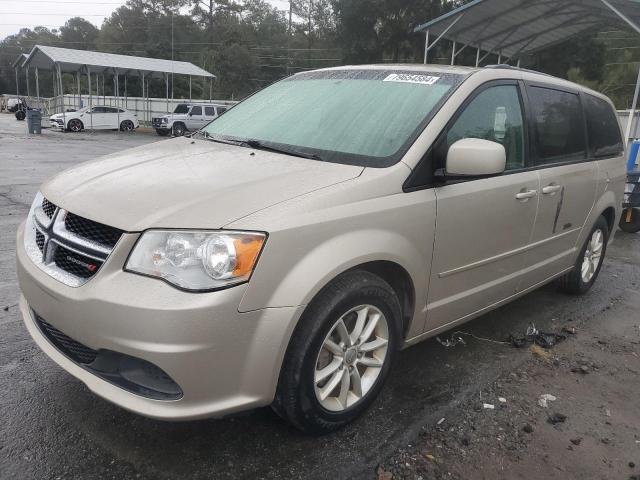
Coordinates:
511 28
69 60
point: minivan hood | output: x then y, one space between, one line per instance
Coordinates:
187 183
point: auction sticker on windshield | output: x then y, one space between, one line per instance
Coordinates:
412 78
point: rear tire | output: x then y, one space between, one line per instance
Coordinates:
179 129
20 115
355 359
589 262
126 126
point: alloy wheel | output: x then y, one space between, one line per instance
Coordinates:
351 358
592 255
75 125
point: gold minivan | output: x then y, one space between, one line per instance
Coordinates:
283 254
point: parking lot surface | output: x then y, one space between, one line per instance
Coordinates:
53 427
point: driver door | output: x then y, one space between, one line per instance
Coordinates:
484 225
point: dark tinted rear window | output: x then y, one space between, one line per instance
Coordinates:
602 124
196 110
558 125
210 111
181 108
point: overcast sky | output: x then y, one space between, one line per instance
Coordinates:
16 14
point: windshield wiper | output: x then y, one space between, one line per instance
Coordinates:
257 144
211 138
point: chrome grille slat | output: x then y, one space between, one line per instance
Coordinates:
70 251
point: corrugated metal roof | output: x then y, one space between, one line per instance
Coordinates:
43 56
514 27
20 60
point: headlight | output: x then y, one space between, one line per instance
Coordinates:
164 120
197 260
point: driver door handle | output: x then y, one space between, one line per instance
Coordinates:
526 195
551 189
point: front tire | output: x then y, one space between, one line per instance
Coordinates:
340 353
589 262
179 129
75 125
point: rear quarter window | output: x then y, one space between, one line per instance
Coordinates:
558 125
605 139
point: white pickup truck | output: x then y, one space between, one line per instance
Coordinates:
186 117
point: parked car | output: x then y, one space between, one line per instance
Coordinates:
187 118
13 104
284 254
98 117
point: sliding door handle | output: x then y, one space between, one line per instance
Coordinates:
551 189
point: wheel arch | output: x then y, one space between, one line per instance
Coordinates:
400 281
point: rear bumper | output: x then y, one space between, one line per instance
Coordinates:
223 361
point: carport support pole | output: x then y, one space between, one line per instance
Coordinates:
453 53
478 56
126 98
166 81
17 84
26 73
79 105
64 116
190 98
117 96
37 86
90 97
426 47
632 112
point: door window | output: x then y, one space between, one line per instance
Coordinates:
558 125
196 111
221 110
210 111
605 139
495 114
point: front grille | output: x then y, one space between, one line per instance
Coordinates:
68 247
40 240
68 346
48 208
94 231
74 263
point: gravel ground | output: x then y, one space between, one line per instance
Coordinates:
53 427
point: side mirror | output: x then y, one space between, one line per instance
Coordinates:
474 157
190 114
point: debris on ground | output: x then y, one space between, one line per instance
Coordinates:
576 441
528 428
535 336
502 400
544 399
540 352
456 338
583 369
488 406
557 418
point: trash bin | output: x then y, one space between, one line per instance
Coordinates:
34 121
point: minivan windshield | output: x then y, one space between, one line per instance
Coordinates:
359 117
181 108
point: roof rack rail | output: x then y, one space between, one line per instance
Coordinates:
511 67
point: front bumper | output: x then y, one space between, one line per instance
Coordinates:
222 360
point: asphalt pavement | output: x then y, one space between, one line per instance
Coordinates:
52 427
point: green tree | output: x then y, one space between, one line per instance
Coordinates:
79 33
